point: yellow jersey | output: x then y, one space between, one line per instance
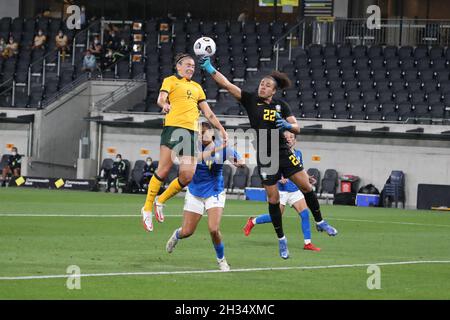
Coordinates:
184 97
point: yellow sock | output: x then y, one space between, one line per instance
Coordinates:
173 188
153 188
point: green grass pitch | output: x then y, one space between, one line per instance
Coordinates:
35 241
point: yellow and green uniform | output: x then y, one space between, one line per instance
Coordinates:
184 96
181 122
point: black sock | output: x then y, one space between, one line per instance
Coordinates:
275 215
313 205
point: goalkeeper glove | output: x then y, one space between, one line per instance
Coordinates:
282 124
205 64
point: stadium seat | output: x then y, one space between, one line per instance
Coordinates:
255 179
136 175
359 51
405 52
227 174
344 51
375 52
394 189
314 172
329 182
105 168
240 178
377 63
4 161
330 50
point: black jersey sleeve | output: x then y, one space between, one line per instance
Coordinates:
247 100
285 110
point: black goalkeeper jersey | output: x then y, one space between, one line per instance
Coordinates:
263 115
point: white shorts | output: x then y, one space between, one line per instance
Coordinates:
198 204
290 197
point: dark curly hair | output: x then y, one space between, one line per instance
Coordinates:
281 79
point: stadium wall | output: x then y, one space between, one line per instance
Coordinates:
9 8
340 8
59 127
16 134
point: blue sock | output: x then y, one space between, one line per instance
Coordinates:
219 250
263 218
306 228
177 234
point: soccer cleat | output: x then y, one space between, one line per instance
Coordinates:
158 209
223 265
248 226
284 251
311 247
147 220
172 242
324 226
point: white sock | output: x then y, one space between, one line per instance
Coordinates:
284 237
254 220
307 241
319 222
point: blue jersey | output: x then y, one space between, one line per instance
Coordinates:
208 177
289 186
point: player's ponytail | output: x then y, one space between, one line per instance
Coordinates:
281 79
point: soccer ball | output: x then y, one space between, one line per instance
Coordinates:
204 47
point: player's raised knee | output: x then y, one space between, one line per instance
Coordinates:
185 177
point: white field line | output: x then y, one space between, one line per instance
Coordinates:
225 216
189 272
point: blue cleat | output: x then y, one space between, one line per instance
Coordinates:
284 251
324 226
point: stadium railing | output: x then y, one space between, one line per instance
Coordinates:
393 31
291 38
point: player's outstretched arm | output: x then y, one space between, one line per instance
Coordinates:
204 106
235 91
208 153
295 128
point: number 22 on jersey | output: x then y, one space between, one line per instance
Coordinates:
269 115
294 160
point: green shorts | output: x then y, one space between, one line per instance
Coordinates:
182 141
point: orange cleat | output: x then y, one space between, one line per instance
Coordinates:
311 247
248 226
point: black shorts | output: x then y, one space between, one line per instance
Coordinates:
288 165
